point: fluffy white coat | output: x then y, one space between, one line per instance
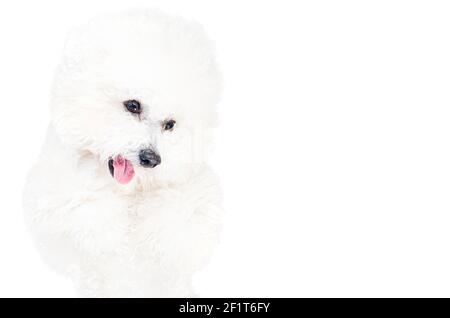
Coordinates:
148 237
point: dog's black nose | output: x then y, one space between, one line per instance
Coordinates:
149 158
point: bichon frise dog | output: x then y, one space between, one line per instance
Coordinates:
121 198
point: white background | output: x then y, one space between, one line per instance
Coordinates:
333 148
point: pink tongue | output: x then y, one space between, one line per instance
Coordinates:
123 170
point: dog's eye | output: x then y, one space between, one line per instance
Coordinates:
133 106
168 124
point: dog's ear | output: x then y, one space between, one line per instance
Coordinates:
73 49
80 48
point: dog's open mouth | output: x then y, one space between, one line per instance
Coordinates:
121 169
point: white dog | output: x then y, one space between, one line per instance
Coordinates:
121 198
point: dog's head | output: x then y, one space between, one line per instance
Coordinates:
136 90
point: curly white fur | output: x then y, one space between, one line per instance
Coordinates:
148 237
